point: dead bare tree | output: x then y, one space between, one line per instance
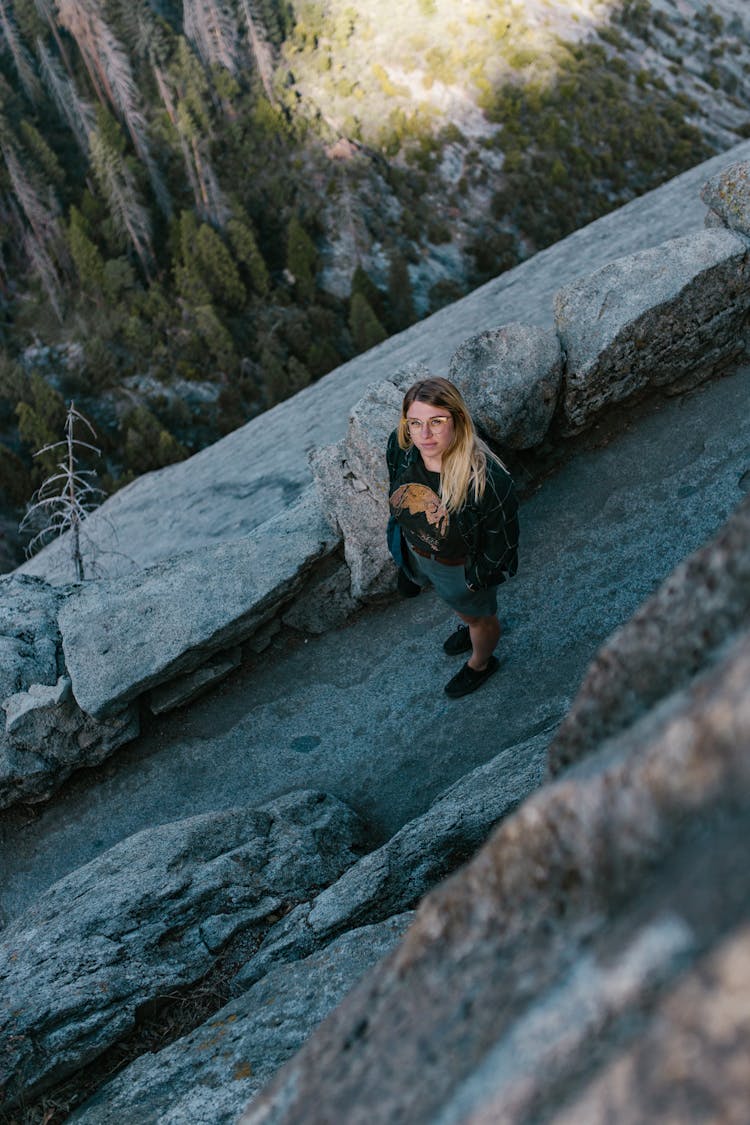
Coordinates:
10 38
63 501
211 28
43 240
111 76
118 184
261 50
72 108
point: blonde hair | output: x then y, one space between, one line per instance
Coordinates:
464 463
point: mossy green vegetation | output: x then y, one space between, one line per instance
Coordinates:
593 138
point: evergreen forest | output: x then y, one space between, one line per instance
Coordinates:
207 204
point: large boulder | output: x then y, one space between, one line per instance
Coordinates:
529 975
211 1074
727 194
326 601
670 638
29 637
47 736
44 735
124 636
150 916
510 378
666 316
352 479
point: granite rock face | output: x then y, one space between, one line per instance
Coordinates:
705 1019
352 480
667 316
326 601
675 634
149 916
211 1074
48 736
394 877
510 379
29 637
44 735
125 636
528 976
727 194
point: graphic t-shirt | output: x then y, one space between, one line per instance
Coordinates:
419 510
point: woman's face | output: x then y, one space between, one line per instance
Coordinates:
433 437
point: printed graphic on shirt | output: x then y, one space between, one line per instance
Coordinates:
422 514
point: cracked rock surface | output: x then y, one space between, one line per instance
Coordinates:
211 1074
149 916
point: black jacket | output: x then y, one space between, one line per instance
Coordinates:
489 527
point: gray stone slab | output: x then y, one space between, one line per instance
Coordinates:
662 316
123 636
210 1075
510 378
148 917
728 195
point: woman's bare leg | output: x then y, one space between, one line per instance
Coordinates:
484 633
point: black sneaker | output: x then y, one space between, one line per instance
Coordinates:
468 680
460 641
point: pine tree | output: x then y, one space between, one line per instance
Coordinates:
275 384
215 336
261 49
86 257
366 329
43 241
184 92
30 20
47 12
222 275
109 69
41 417
148 445
301 258
188 270
363 283
42 155
64 499
400 299
246 251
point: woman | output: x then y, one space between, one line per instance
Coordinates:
454 519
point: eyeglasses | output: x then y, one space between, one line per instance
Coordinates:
434 425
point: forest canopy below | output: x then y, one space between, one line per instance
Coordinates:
206 205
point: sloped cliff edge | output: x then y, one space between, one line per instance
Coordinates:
665 317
